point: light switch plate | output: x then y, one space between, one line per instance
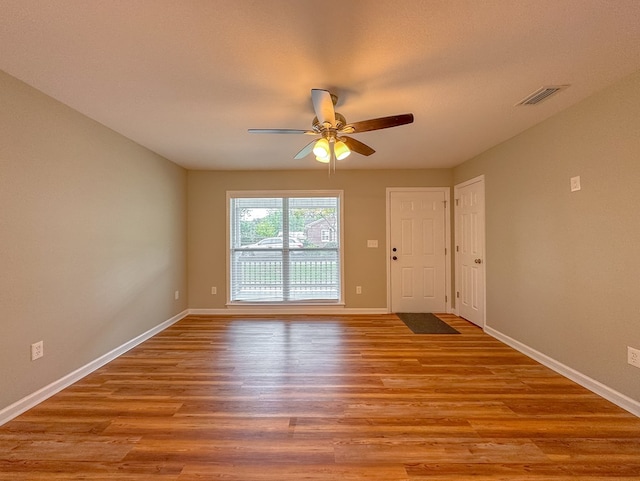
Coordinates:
372 243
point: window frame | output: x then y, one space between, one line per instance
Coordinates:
231 194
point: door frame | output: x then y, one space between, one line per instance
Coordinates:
447 239
461 185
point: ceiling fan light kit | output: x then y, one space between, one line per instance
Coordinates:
341 150
331 127
321 148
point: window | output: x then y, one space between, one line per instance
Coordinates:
285 246
328 235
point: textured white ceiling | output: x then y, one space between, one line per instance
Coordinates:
187 78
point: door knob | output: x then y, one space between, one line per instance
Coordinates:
394 249
478 261
394 258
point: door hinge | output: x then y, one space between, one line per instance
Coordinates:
457 202
445 251
457 295
457 248
446 299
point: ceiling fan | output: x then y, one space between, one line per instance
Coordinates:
331 126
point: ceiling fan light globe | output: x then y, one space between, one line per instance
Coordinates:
324 160
341 150
321 149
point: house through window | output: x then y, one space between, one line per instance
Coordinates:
285 246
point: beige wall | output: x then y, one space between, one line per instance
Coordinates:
92 236
563 271
364 212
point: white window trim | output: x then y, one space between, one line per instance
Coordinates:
283 193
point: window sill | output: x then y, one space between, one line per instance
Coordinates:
282 305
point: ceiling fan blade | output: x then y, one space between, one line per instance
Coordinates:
306 150
281 131
323 106
377 124
357 146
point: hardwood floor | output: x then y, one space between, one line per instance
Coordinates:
321 398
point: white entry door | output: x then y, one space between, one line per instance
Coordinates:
469 250
417 239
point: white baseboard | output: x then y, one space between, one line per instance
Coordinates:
592 385
35 398
282 310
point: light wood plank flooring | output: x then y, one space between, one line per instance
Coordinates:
321 398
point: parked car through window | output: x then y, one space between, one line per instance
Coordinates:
274 243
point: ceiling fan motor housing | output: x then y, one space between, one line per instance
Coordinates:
340 123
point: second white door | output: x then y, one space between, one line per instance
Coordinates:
417 251
470 259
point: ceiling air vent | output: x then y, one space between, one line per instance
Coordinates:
541 94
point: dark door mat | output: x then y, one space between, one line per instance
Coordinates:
425 323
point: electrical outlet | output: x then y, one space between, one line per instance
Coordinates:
575 183
37 350
358 289
177 295
633 356
214 291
